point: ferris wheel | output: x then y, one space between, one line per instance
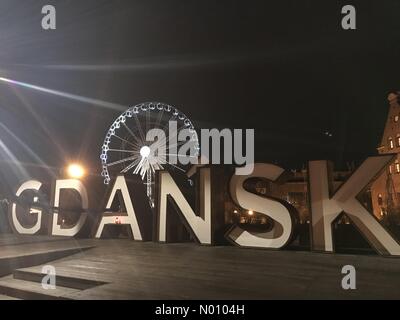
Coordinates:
126 151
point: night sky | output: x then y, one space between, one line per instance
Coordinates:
285 68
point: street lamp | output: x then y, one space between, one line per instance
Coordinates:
75 171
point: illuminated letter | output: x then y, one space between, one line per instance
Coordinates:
326 207
28 185
282 213
129 218
200 226
80 188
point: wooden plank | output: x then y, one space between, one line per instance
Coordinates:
64 280
137 270
31 290
4 297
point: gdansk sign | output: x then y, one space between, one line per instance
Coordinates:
205 223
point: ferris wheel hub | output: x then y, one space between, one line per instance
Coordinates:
144 151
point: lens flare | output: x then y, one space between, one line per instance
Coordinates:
75 171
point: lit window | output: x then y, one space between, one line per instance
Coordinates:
398 140
396 118
390 169
397 166
391 144
380 200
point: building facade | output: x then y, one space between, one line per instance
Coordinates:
293 188
385 190
381 197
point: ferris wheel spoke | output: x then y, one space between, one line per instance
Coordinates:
176 155
164 140
156 146
122 150
175 166
128 142
179 143
160 115
147 113
130 166
139 166
166 126
140 129
121 161
138 143
159 166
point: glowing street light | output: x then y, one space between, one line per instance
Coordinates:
250 212
75 171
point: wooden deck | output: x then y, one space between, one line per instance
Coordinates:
124 269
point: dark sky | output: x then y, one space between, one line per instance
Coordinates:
285 68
